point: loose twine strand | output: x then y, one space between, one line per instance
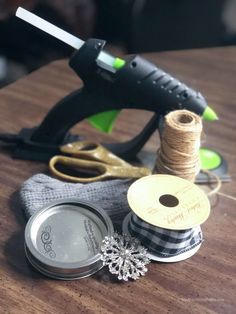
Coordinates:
179 151
218 185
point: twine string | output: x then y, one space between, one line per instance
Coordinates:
179 151
218 184
227 196
217 181
180 142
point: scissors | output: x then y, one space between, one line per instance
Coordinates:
94 162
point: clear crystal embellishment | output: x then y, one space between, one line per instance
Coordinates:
124 256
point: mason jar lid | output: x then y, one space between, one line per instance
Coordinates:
63 239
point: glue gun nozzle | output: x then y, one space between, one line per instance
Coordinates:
209 114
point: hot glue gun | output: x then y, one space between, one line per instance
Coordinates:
110 84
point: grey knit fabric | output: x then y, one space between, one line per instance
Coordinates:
41 189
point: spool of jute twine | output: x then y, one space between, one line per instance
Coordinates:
180 142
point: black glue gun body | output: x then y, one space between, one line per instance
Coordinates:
138 84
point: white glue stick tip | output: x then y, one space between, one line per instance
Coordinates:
49 28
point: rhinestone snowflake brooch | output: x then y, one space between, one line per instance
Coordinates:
125 256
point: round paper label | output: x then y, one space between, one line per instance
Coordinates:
168 202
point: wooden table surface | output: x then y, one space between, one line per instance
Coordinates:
204 283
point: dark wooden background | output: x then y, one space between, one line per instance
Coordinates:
204 283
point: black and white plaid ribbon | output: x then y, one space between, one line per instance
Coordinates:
164 242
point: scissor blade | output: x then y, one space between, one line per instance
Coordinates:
49 28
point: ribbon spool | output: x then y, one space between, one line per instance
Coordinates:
164 245
166 217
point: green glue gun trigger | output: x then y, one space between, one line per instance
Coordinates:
110 84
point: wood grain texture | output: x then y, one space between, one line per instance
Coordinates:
204 283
